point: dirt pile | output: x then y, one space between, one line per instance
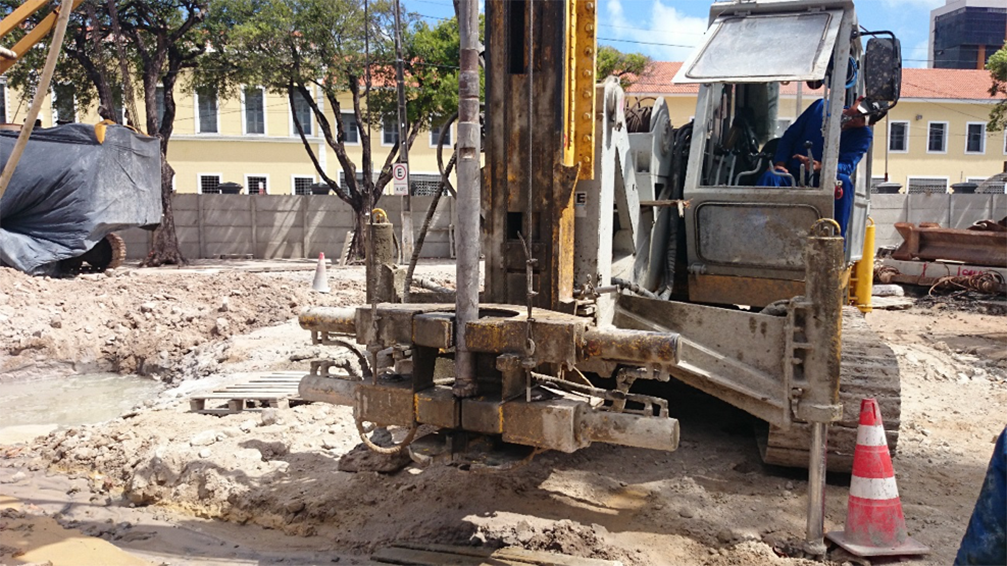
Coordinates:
171 326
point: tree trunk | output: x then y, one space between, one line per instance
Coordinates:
165 250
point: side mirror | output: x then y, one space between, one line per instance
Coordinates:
883 70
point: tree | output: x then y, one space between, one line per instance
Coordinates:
299 47
160 38
628 67
997 66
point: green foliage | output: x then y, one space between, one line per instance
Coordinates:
997 66
628 67
298 47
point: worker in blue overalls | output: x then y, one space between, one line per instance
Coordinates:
791 154
985 540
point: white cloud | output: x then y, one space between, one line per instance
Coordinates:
652 28
928 4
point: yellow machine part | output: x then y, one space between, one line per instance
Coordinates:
34 35
862 280
581 51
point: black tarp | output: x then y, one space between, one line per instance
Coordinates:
69 191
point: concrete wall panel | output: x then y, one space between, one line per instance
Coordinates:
226 217
966 209
929 208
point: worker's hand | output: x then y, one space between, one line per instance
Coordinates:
781 168
812 165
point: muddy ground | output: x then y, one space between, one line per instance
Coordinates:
173 487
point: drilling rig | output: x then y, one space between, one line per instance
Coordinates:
625 250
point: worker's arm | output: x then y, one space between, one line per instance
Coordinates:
789 142
854 144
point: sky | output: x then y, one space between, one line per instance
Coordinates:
668 30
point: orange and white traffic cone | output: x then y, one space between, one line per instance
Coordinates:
321 282
875 525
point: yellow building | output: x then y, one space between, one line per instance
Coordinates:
250 140
934 138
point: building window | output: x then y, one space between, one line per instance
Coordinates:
423 184
389 131
350 129
937 140
975 137
255 110
898 137
303 112
209 183
206 115
63 105
435 134
938 185
257 184
302 185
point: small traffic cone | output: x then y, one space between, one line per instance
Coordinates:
875 525
321 282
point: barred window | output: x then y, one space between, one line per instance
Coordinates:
257 184
919 185
209 184
302 185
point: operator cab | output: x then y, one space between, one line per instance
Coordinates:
752 53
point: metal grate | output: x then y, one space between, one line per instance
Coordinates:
921 185
257 185
302 185
423 185
209 184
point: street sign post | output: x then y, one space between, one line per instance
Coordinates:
400 178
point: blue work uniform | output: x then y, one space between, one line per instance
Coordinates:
853 144
985 540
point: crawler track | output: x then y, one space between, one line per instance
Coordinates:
869 369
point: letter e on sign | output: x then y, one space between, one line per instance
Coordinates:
400 178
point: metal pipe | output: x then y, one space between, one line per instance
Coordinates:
467 268
641 346
815 538
340 320
407 209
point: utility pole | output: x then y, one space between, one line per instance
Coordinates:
469 243
407 210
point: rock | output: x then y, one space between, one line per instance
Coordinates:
205 438
329 442
686 513
725 536
295 506
269 417
205 453
246 426
89 329
524 532
222 327
147 307
225 305
56 322
789 486
18 477
887 291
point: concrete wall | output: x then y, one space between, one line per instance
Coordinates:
283 226
286 226
950 211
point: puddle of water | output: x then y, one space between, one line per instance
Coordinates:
36 407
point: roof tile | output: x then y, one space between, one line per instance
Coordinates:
954 84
